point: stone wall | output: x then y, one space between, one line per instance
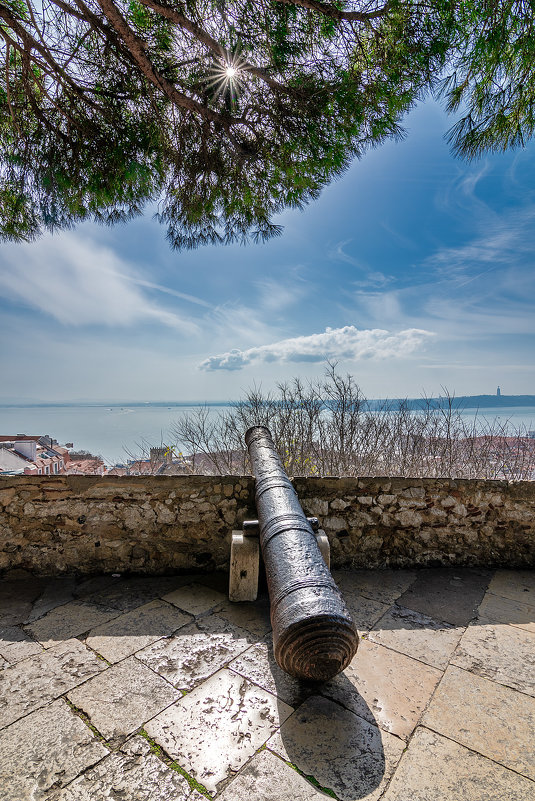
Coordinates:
160 524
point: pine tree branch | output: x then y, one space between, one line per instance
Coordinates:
137 48
336 13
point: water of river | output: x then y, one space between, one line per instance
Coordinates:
116 432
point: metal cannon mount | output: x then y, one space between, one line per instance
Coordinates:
314 636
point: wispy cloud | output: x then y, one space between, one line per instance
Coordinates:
334 343
79 282
507 241
166 290
277 295
460 196
373 279
337 253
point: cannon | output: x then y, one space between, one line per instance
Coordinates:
314 636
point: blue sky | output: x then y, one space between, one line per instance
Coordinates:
414 272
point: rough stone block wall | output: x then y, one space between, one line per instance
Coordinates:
401 522
162 524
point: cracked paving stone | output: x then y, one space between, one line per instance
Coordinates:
129 778
69 620
128 633
259 666
502 653
493 720
215 729
416 635
46 749
518 585
36 681
195 599
15 645
341 750
127 594
496 609
437 769
123 697
91 585
17 597
365 612
378 585
446 595
268 778
384 687
58 591
253 616
196 651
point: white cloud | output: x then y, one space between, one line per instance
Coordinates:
79 282
334 343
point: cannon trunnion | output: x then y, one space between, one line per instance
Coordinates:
314 636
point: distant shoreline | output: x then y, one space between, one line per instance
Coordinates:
459 402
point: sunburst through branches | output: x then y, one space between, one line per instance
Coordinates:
227 79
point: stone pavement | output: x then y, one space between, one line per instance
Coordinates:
158 688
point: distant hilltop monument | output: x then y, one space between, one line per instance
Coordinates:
498 392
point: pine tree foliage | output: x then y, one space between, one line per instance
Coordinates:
493 76
225 112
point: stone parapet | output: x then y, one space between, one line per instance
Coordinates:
163 524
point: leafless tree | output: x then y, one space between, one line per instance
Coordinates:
327 427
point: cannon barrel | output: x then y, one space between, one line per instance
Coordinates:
314 636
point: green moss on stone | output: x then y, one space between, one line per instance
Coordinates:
87 720
171 763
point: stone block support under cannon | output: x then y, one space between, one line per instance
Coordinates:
314 636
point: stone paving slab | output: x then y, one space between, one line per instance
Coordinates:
214 730
342 751
385 687
127 777
365 612
94 584
128 633
16 645
518 585
417 636
17 598
252 616
58 591
258 665
503 653
379 585
69 620
122 698
493 720
196 651
446 595
36 681
268 778
435 768
195 599
46 749
496 609
126 594
473 738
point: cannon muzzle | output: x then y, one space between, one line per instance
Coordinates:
314 636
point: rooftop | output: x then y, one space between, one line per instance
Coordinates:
158 688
